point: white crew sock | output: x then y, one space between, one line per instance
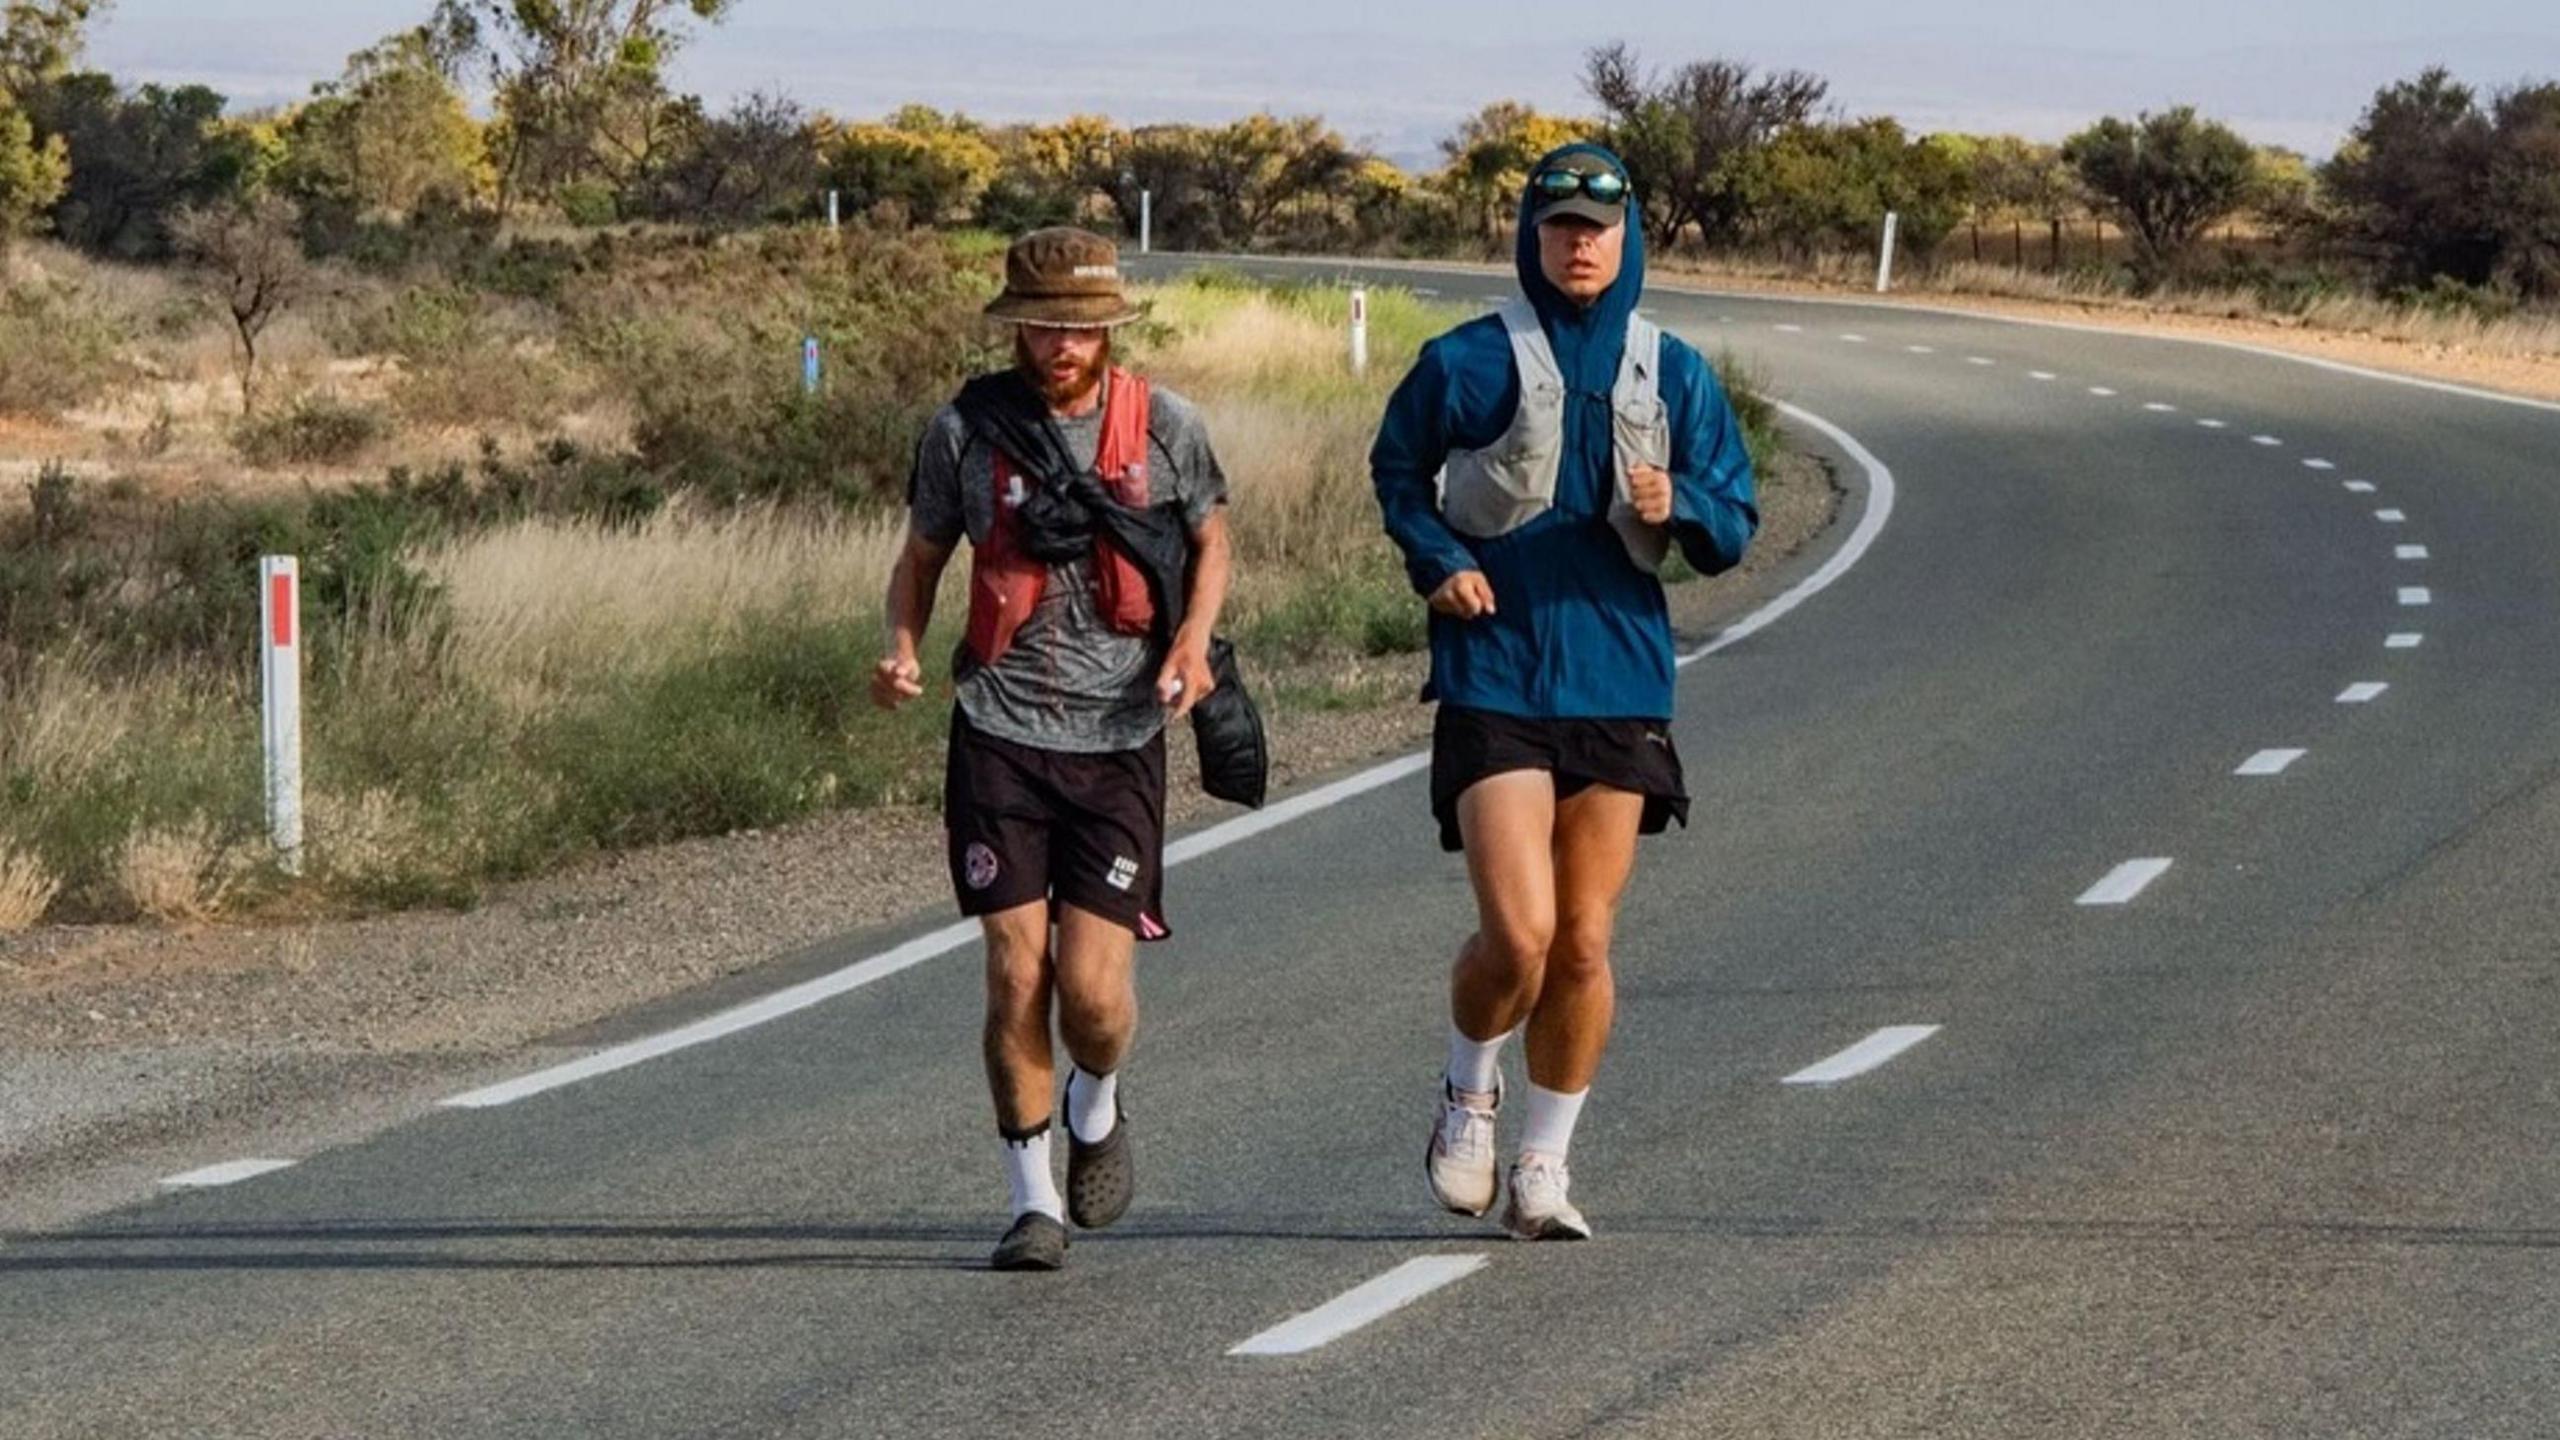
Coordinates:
1026 1167
1475 1066
1549 1131
1093 1104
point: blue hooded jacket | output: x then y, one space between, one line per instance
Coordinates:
1578 631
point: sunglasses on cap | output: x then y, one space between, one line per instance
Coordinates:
1608 187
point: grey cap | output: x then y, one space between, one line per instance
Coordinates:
1578 206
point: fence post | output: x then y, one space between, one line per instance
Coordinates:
1359 332
1884 259
280 685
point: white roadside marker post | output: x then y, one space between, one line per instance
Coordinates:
1884 259
810 371
1359 332
835 209
1146 222
280 683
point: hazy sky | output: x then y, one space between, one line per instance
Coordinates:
1398 73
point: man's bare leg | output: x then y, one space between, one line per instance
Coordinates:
1097 1013
1097 1016
1595 853
1506 821
1020 980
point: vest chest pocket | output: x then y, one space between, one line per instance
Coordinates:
1507 484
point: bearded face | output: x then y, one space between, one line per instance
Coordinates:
1065 366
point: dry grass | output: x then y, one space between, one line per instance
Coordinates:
26 889
182 875
545 602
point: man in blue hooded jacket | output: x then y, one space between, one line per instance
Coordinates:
1536 468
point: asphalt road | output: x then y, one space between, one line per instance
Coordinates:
2270 1148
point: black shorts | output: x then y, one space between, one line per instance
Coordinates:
1084 830
1636 756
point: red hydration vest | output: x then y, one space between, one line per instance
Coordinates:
1006 581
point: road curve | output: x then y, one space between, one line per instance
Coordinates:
2112 990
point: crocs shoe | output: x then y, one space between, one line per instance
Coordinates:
1102 1178
1037 1241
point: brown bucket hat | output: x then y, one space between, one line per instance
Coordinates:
1065 279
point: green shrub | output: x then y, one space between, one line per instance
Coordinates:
313 430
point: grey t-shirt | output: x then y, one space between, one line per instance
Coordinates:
1070 683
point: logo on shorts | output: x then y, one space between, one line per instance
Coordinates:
980 866
1124 873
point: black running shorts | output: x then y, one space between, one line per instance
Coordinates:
1083 830
1636 756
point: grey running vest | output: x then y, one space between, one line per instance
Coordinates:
1507 484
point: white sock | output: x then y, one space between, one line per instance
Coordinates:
1026 1166
1093 1104
1475 1066
1549 1131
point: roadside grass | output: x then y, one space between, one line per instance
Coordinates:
517 663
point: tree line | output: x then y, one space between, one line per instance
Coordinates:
2438 186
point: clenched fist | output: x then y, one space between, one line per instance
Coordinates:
1466 595
895 681
1649 488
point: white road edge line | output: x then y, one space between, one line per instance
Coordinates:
1864 1056
2363 692
1879 509
230 1173
2405 640
2125 882
2269 762
1363 1305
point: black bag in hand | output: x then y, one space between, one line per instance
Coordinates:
1235 756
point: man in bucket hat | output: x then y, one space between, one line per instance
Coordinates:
1084 639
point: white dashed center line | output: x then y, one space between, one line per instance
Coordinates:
2417 595
1864 1056
2405 640
2160 408
1921 349
2391 517
2042 375
2215 424
2101 391
1790 329
2364 692
2359 487
1369 1303
2269 762
2318 465
2266 440
1855 339
214 1176
2409 552
2125 882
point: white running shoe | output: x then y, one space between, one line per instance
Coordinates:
1539 1209
1460 1158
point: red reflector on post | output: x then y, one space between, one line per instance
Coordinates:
280 605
